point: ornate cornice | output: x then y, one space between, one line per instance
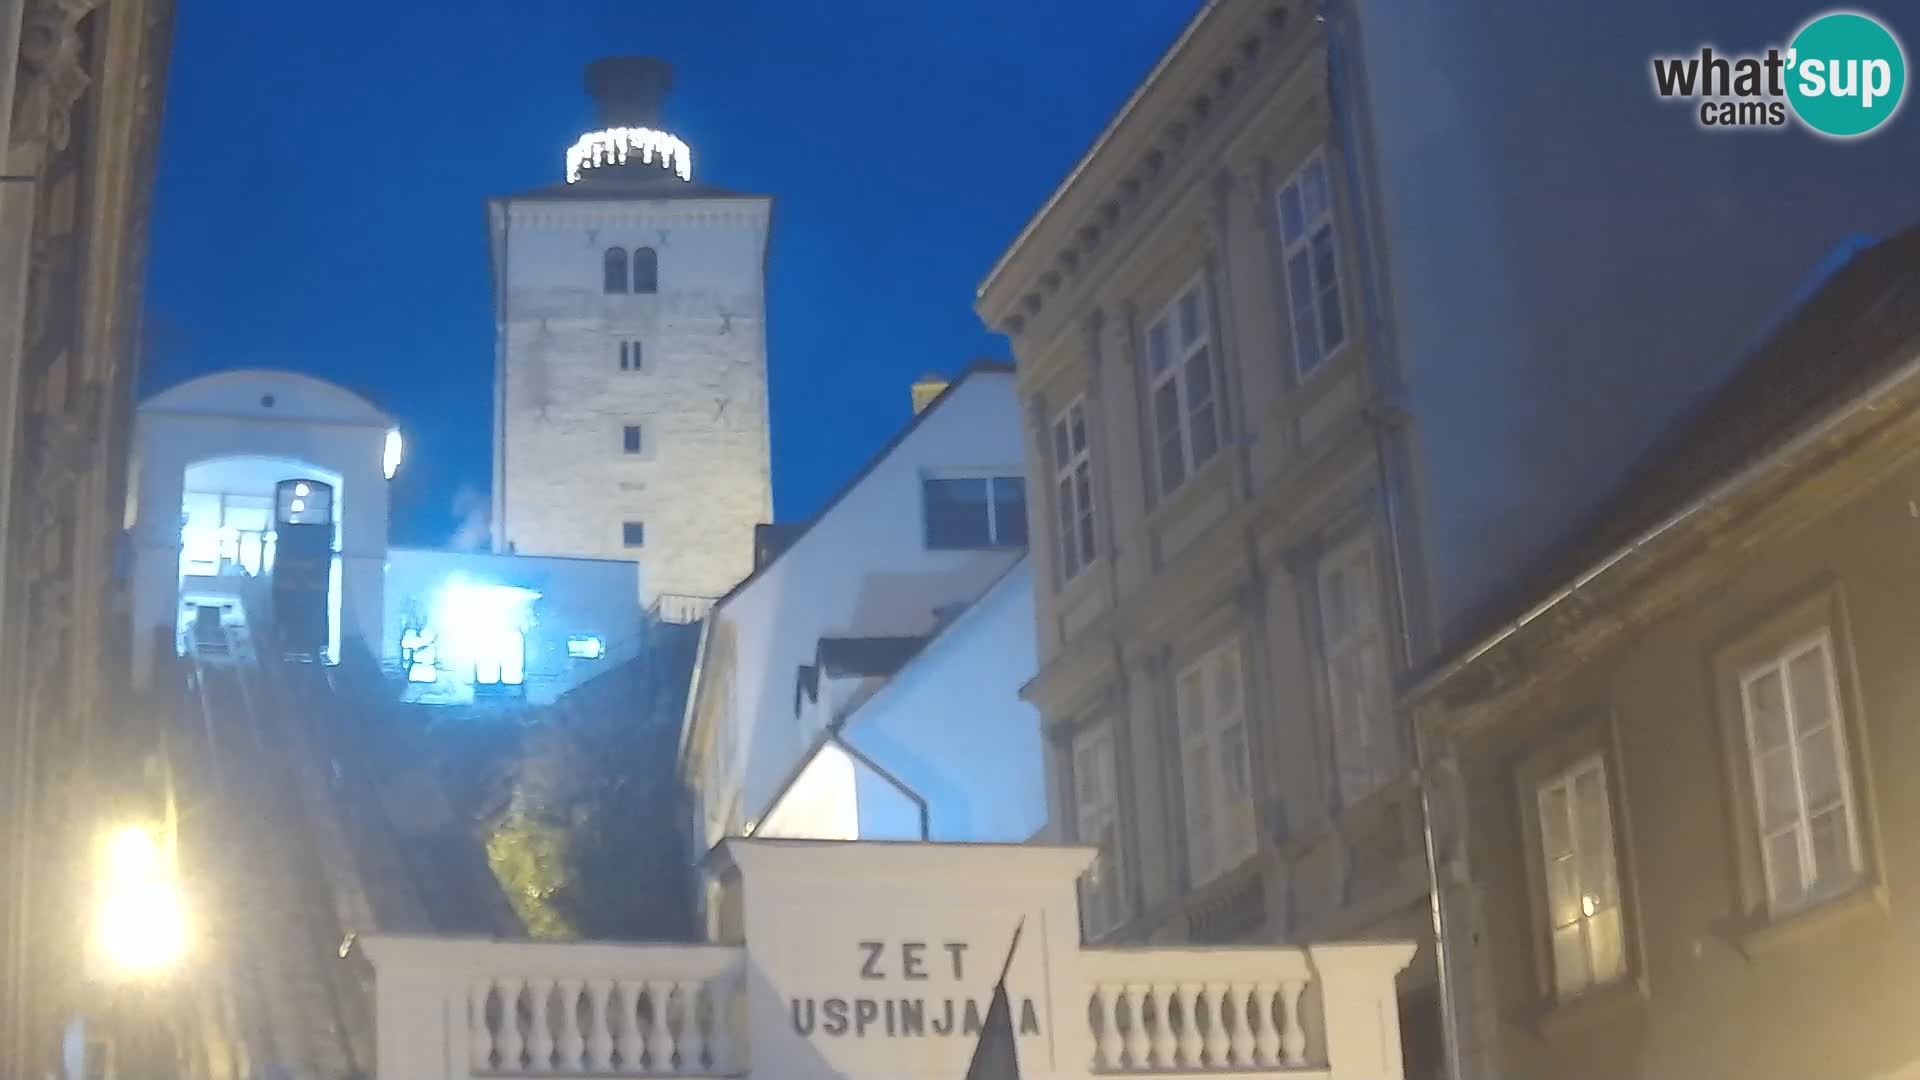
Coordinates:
1259 45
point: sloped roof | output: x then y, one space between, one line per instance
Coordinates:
1834 347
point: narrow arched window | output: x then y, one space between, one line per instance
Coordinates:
616 269
646 271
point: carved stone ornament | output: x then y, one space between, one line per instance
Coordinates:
63 449
51 78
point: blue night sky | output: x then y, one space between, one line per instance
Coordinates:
323 179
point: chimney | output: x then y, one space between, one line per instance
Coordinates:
925 389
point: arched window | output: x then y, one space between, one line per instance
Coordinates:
646 271
616 264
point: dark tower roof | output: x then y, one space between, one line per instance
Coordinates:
628 90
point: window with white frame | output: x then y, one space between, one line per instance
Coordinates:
1803 792
1310 253
1211 707
1582 886
1181 388
1096 804
975 512
1366 746
1073 489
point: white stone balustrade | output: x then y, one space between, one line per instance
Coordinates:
458 1008
604 1010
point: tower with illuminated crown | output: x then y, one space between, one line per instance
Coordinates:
630 377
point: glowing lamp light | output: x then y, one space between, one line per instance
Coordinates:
614 146
390 455
301 489
297 505
140 925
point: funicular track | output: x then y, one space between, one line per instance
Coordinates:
288 826
258 846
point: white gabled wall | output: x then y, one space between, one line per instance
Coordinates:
862 569
951 726
563 483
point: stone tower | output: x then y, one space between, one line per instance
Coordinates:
630 375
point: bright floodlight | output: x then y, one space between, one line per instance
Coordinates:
301 488
390 457
140 925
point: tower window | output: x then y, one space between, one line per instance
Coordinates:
630 438
646 270
630 356
616 270
633 533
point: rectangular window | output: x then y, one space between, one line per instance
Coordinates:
1803 792
1582 885
1366 744
630 355
1211 710
633 534
630 438
1180 389
1310 247
1097 823
1073 489
975 512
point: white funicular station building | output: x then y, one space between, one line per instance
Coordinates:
209 455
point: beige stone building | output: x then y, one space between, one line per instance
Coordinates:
1685 750
1220 515
80 92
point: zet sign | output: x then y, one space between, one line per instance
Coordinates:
909 989
878 961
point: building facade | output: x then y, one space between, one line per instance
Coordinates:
206 457
1222 515
849 600
80 95
630 411
1684 848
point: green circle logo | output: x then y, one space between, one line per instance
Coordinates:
1846 74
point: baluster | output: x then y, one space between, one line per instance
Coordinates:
540 1033
629 1041
659 1036
1217 1043
1137 1037
480 1036
1106 1042
1266 1036
1166 1040
572 1045
1239 996
722 994
1293 1037
693 1037
599 1026
1191 1046
511 1044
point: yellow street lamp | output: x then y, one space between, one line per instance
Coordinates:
140 923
